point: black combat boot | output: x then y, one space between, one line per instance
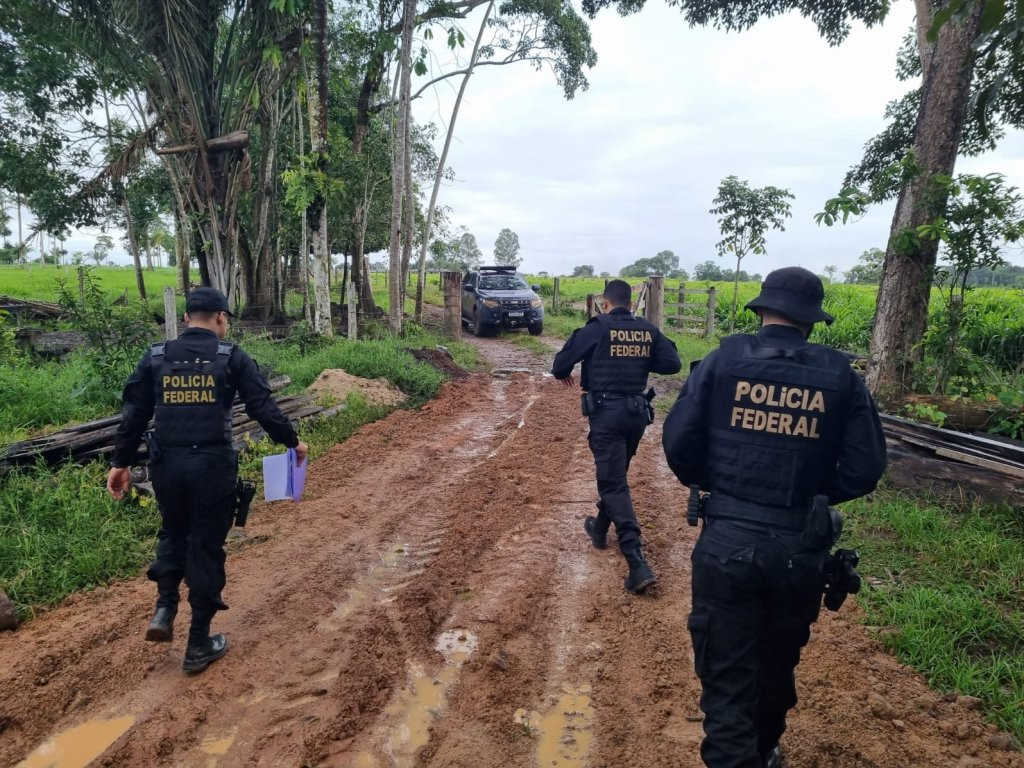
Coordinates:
202 649
161 628
598 538
640 574
592 525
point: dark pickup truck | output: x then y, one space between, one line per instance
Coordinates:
496 297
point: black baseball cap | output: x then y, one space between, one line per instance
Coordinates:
794 292
207 299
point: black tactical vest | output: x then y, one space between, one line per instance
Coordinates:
192 397
622 358
776 420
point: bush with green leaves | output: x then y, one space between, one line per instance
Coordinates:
117 333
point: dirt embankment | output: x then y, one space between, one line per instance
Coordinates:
434 602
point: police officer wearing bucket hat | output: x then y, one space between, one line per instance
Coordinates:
188 387
775 429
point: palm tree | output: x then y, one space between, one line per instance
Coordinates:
205 66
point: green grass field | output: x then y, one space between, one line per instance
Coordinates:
948 583
39 282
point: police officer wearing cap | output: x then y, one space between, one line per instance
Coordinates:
188 387
617 351
770 425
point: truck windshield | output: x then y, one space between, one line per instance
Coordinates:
503 283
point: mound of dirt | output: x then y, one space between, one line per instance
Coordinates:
338 383
442 359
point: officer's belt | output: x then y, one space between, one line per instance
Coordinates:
720 506
615 395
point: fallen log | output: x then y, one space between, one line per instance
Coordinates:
953 465
951 481
43 310
95 439
961 414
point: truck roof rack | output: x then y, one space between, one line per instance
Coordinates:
497 268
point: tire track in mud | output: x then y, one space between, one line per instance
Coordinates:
435 602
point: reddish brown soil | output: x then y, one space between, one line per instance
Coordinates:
465 515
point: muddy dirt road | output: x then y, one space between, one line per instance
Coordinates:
434 602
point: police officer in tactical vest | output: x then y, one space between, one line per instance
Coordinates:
618 351
188 387
776 429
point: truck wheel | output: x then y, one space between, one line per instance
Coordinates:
537 328
478 327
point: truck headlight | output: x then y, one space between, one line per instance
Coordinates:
537 303
490 303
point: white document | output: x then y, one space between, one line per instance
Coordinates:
276 476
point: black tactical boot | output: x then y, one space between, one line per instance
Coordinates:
202 649
597 538
201 653
773 759
640 574
161 628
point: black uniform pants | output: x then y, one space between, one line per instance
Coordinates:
195 489
756 592
615 432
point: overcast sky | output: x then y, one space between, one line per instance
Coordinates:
630 167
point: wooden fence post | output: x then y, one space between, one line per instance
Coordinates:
452 284
351 298
682 300
656 300
710 330
81 284
170 314
554 296
592 306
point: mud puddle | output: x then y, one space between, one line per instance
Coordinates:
565 731
78 746
407 720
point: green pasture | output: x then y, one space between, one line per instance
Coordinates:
34 281
946 586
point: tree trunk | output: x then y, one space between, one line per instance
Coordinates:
398 171
408 235
182 254
735 294
21 240
119 191
901 316
256 270
439 174
316 214
371 84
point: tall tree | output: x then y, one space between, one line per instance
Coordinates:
201 68
902 309
506 249
398 166
316 214
745 215
538 31
427 231
664 263
469 252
